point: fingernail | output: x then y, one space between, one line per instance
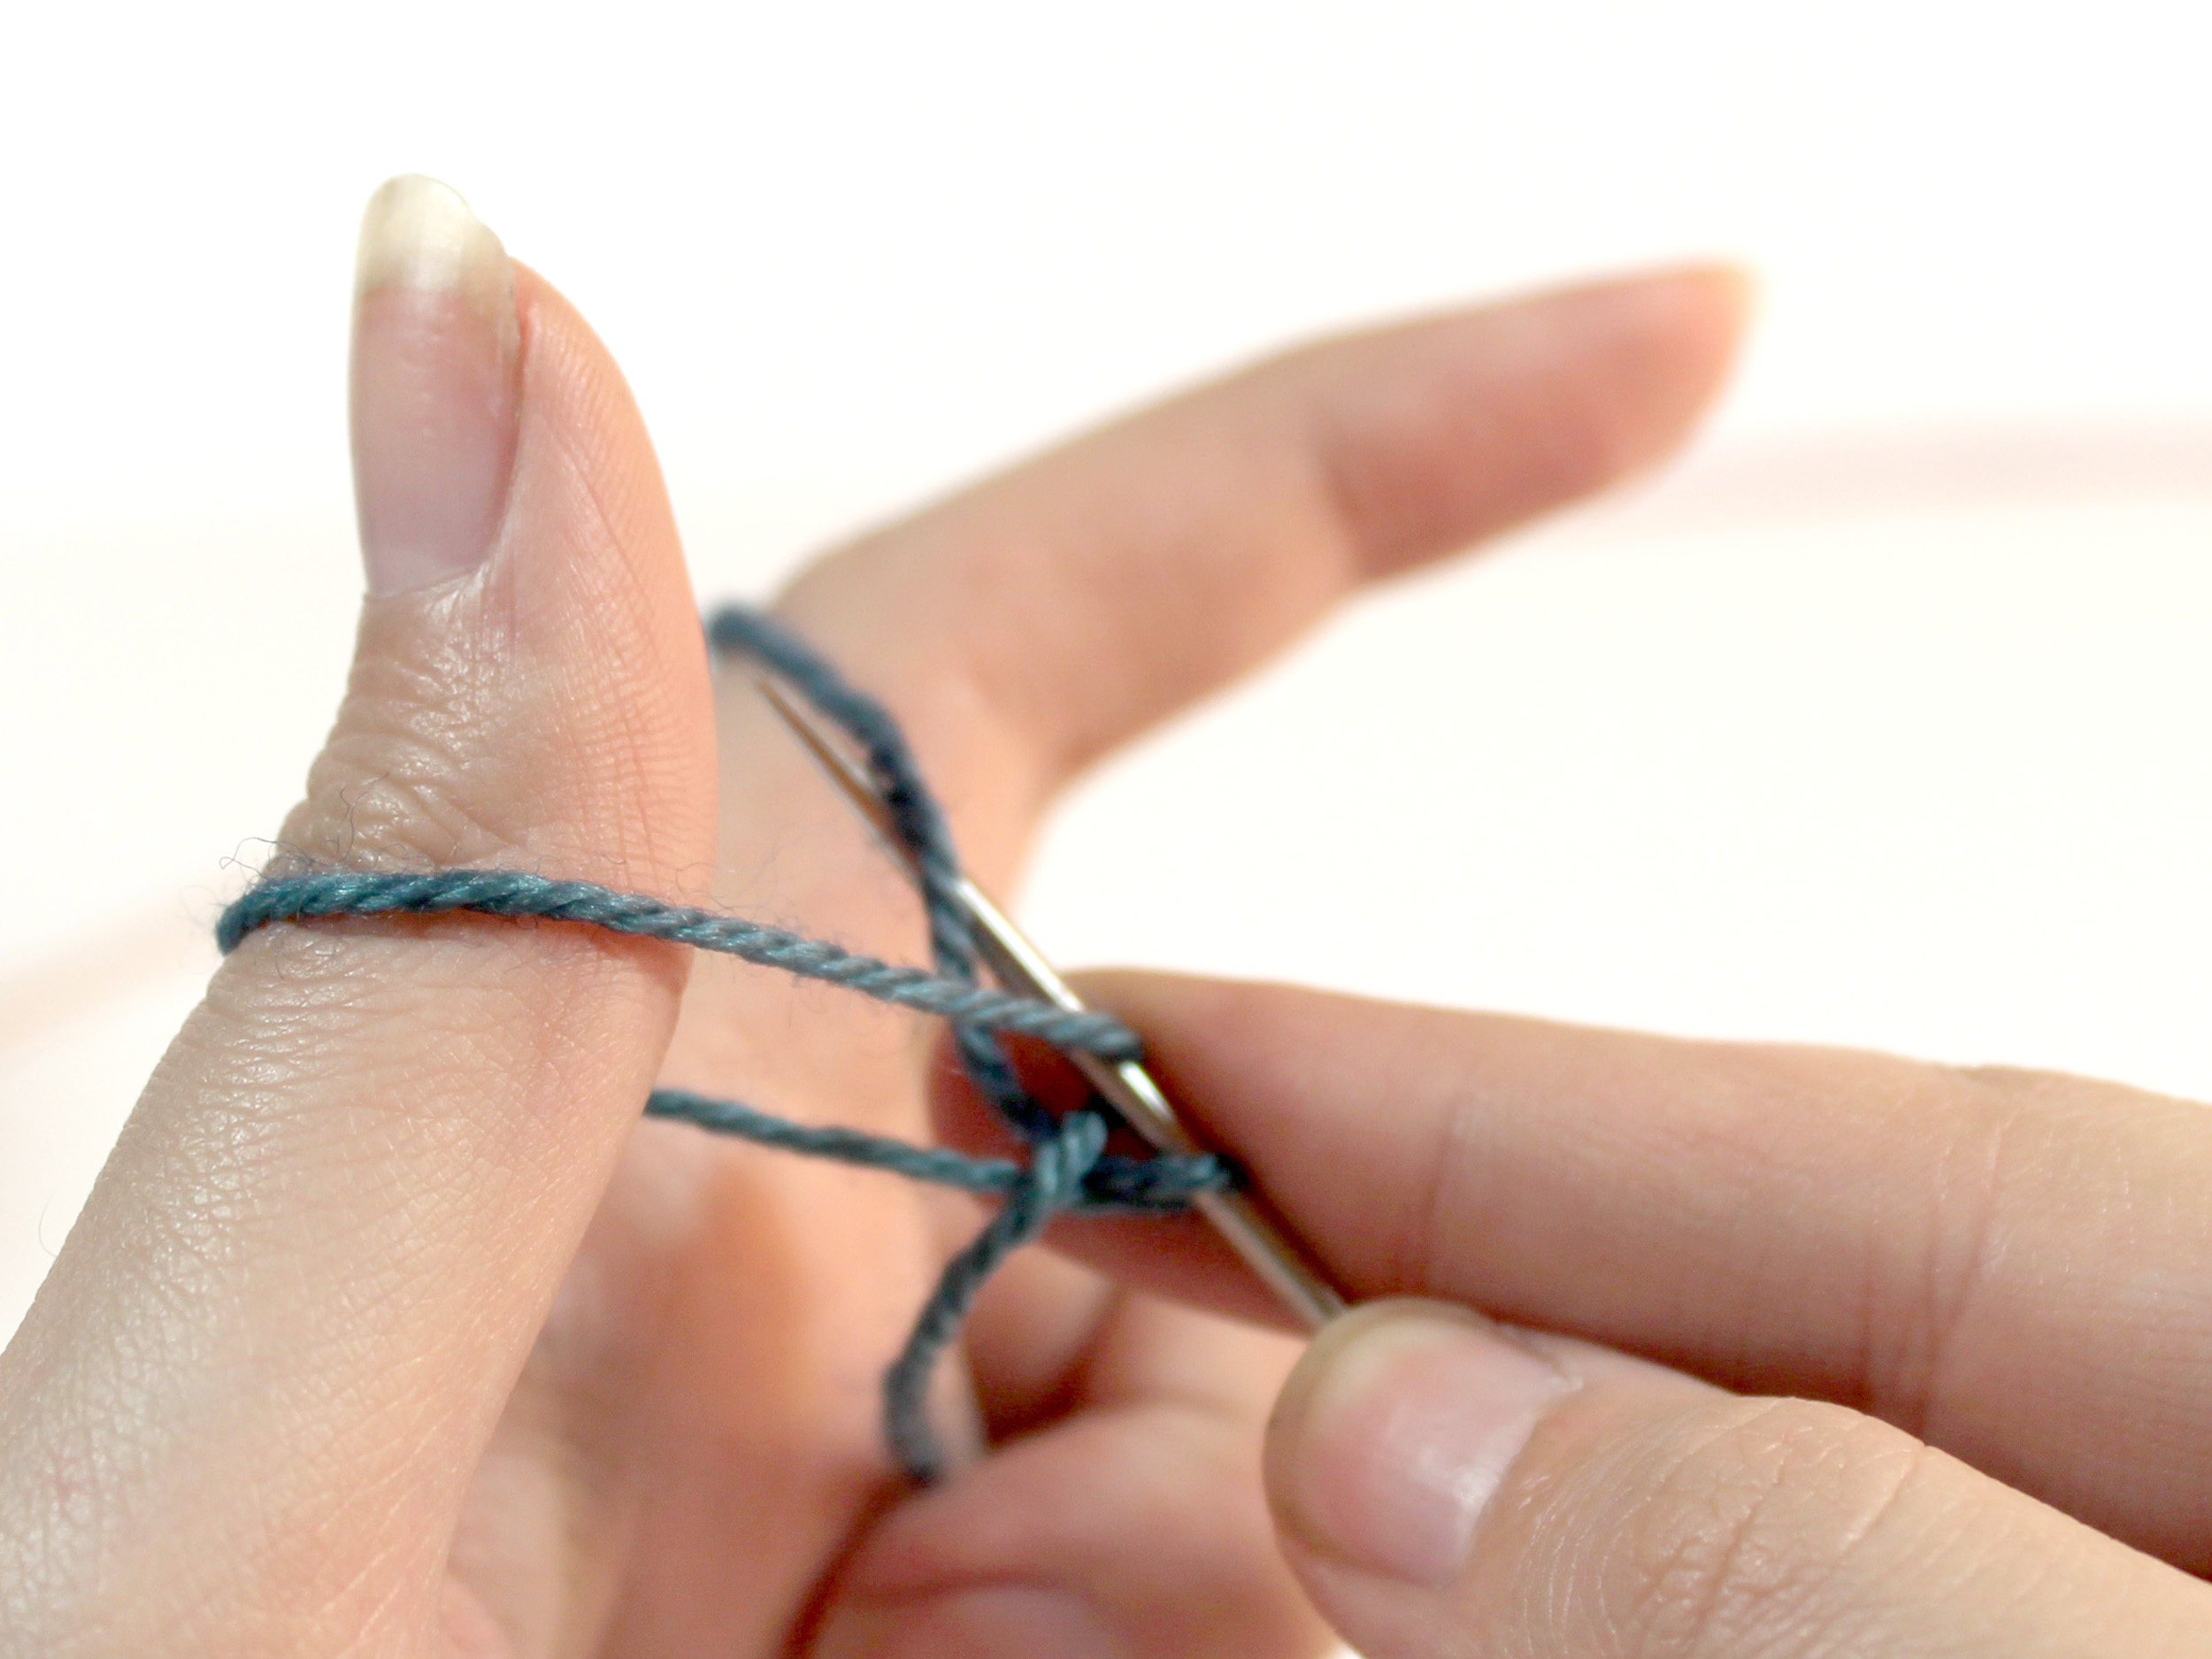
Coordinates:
1395 1431
436 348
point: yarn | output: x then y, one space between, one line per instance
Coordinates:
1067 1170
517 893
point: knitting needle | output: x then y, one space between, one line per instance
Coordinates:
1254 1234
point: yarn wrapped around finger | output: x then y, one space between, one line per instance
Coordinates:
1066 1169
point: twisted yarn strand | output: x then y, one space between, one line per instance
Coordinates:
517 893
1050 1185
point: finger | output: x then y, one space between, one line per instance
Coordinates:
1026 626
2013 1267
1132 1524
1443 1489
285 1323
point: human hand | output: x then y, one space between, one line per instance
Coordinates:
1861 1357
389 1329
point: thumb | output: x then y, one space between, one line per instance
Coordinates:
256 1382
1442 1487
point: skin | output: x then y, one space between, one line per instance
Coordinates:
390 1330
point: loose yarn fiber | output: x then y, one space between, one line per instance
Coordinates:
1066 1169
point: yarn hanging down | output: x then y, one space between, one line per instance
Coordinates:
1067 1170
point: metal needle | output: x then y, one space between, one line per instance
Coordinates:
1241 1218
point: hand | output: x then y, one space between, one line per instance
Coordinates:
1863 1357
391 1330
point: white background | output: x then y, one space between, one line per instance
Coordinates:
1880 721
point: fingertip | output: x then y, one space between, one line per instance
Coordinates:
1711 297
1734 287
545 699
1441 433
1396 1429
1677 335
1698 313
432 386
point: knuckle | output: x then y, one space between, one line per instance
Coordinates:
1753 1520
1933 1260
444 751
401 780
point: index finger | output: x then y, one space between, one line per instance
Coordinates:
2012 1266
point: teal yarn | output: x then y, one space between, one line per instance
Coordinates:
1161 1185
1067 1170
518 895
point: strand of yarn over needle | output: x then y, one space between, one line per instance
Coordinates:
1066 1169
